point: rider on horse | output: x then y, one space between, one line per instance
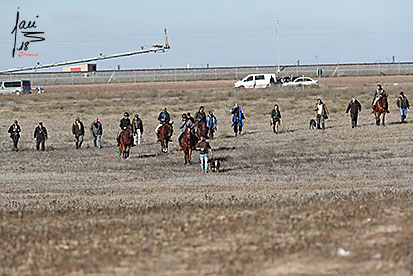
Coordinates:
183 125
14 131
200 117
379 92
124 124
163 118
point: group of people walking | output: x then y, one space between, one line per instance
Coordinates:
201 119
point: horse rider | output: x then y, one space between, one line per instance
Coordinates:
185 122
163 118
40 134
354 107
188 115
137 129
211 123
124 124
403 104
321 113
200 117
378 93
97 130
237 119
78 132
276 119
14 131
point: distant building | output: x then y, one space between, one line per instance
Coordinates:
80 68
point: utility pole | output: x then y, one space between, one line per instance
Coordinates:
278 45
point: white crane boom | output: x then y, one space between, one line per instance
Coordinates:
153 49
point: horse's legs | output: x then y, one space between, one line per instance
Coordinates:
189 154
384 115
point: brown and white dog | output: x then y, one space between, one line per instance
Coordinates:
313 124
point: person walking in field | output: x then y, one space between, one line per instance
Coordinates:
403 104
211 124
354 107
78 132
40 134
276 119
14 131
204 148
237 119
137 129
321 113
97 130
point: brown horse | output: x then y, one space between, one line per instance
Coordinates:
165 134
125 142
187 144
379 109
201 130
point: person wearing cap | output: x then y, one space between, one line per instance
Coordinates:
78 132
97 130
237 119
211 124
204 148
378 93
321 113
14 131
163 118
182 126
276 119
403 104
124 124
40 134
354 107
137 129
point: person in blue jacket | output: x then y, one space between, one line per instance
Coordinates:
163 118
211 124
237 119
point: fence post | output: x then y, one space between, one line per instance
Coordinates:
236 73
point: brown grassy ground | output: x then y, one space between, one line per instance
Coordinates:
283 205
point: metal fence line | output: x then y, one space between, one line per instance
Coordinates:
206 74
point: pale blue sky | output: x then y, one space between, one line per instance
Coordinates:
218 32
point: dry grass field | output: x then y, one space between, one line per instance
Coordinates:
303 202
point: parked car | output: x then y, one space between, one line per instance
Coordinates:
15 87
256 81
301 81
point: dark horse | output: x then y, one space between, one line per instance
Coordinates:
379 109
125 142
165 134
201 131
187 144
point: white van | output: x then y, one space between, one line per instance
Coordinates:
15 87
255 81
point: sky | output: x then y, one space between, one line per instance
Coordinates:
213 32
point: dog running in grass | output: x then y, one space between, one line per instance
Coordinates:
313 124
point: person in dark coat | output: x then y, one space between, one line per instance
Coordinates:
78 132
403 104
276 119
97 130
40 134
163 118
379 93
354 107
137 129
124 123
200 117
14 131
237 119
